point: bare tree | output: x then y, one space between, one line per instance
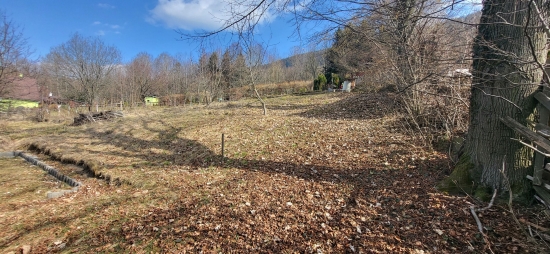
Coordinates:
275 71
315 60
140 75
215 76
163 67
255 55
202 78
510 46
118 89
82 63
14 51
184 76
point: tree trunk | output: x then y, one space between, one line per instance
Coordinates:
264 107
406 22
505 78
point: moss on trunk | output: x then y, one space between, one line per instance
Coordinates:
460 180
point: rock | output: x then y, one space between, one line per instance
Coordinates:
57 194
61 246
7 154
25 249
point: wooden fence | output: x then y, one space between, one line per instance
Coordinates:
541 144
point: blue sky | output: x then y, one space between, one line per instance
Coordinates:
131 26
140 26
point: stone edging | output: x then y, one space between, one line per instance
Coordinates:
51 170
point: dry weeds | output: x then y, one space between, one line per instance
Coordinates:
321 173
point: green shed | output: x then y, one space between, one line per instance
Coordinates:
151 101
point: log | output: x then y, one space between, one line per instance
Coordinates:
543 130
541 142
545 185
93 117
533 225
543 194
543 99
541 201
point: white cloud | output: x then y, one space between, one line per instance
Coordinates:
105 6
196 14
106 28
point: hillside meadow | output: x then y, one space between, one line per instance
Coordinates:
8 104
322 173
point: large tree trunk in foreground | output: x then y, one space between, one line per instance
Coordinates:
505 78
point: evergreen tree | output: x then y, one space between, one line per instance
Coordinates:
240 71
226 70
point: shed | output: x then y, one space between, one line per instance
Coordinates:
346 86
22 92
151 101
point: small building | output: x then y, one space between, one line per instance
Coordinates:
347 85
23 92
350 80
151 101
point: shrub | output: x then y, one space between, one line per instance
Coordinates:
320 83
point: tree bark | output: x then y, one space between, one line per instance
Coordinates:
264 107
509 42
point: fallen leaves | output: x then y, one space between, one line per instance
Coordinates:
302 179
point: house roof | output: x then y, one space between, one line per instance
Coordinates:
25 89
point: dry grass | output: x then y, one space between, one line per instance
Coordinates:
277 89
318 173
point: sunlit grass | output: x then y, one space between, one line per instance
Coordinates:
170 161
6 104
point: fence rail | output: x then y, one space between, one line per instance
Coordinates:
540 144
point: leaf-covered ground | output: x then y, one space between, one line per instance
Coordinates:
320 173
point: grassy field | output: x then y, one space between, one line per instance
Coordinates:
5 104
322 173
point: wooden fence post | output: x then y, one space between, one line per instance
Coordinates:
223 147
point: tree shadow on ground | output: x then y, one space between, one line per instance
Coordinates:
185 152
366 182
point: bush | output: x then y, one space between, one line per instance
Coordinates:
336 80
320 83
